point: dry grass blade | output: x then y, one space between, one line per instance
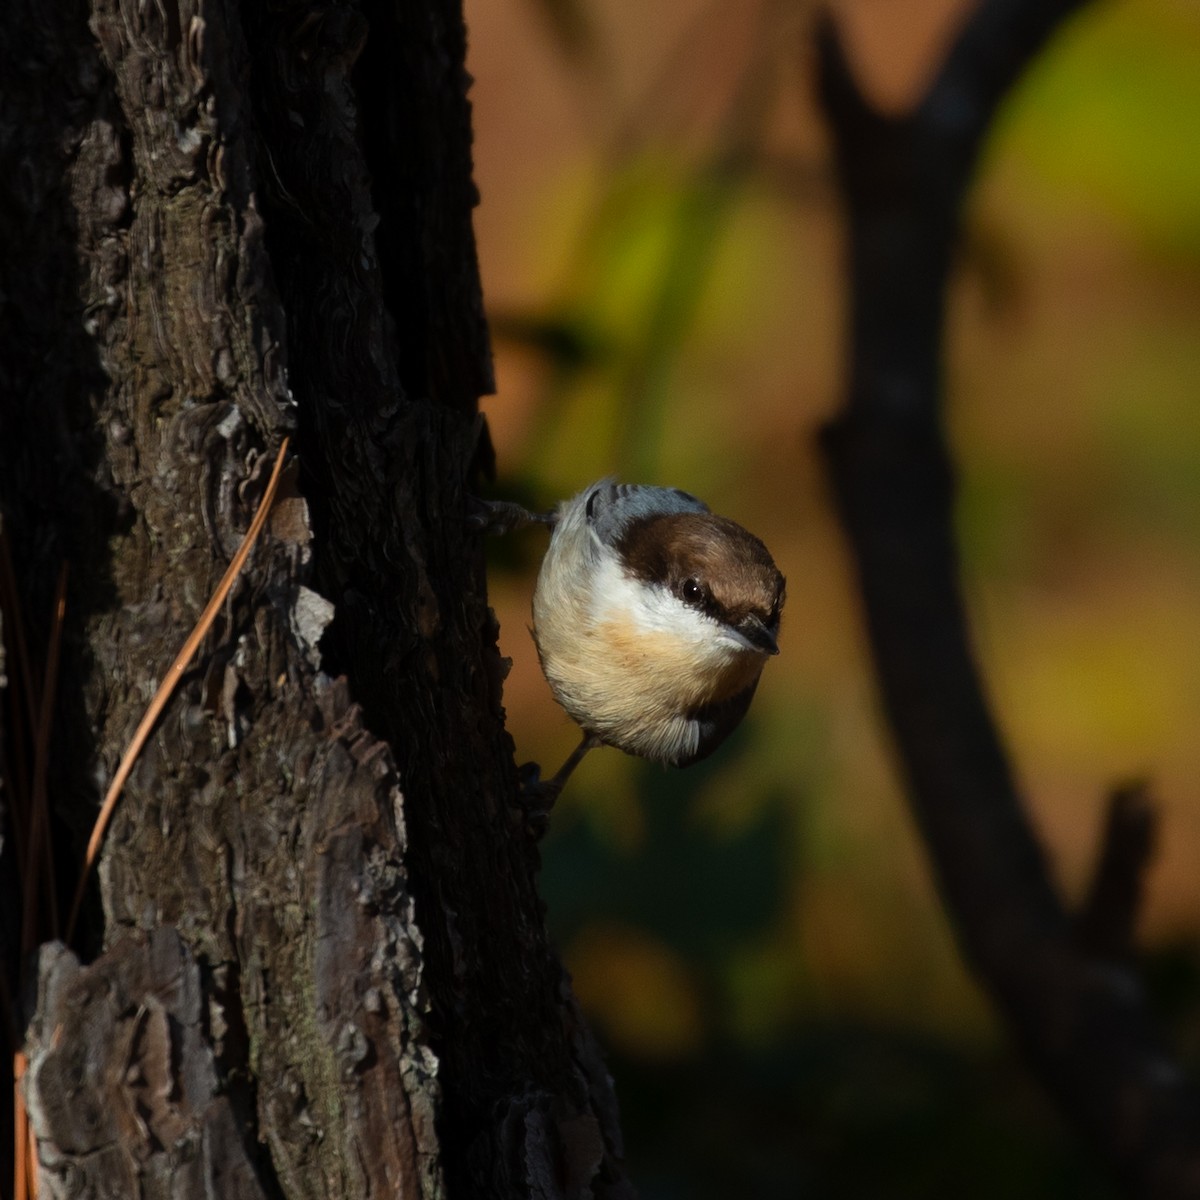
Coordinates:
38 856
12 609
22 710
168 686
24 1178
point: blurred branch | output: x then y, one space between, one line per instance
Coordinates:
673 214
1106 922
572 27
1083 1021
706 205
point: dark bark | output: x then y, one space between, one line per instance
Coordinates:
1074 1003
321 967
137 1069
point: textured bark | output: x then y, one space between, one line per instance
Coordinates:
137 1071
321 967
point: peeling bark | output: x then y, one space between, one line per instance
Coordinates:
138 1076
320 966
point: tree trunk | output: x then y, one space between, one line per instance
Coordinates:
318 963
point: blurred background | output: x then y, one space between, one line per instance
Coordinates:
757 939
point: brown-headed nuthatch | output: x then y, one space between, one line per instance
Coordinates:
653 620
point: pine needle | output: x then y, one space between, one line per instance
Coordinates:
38 856
168 686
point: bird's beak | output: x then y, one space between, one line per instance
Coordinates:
759 634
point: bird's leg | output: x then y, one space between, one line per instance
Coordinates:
590 742
538 795
503 516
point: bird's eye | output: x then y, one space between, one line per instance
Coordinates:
692 591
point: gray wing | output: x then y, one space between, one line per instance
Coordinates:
611 507
715 722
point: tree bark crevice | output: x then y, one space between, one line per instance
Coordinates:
341 859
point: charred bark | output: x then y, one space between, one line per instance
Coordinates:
320 967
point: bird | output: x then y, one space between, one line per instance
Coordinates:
653 618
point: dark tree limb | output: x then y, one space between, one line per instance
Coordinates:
1106 921
1081 1017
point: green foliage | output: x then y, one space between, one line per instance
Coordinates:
1110 116
699 888
846 1111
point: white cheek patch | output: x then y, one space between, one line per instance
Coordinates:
648 609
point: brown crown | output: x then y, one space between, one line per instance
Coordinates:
735 571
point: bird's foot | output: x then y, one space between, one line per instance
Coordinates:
503 516
537 797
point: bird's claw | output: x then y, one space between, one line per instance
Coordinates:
502 516
537 797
